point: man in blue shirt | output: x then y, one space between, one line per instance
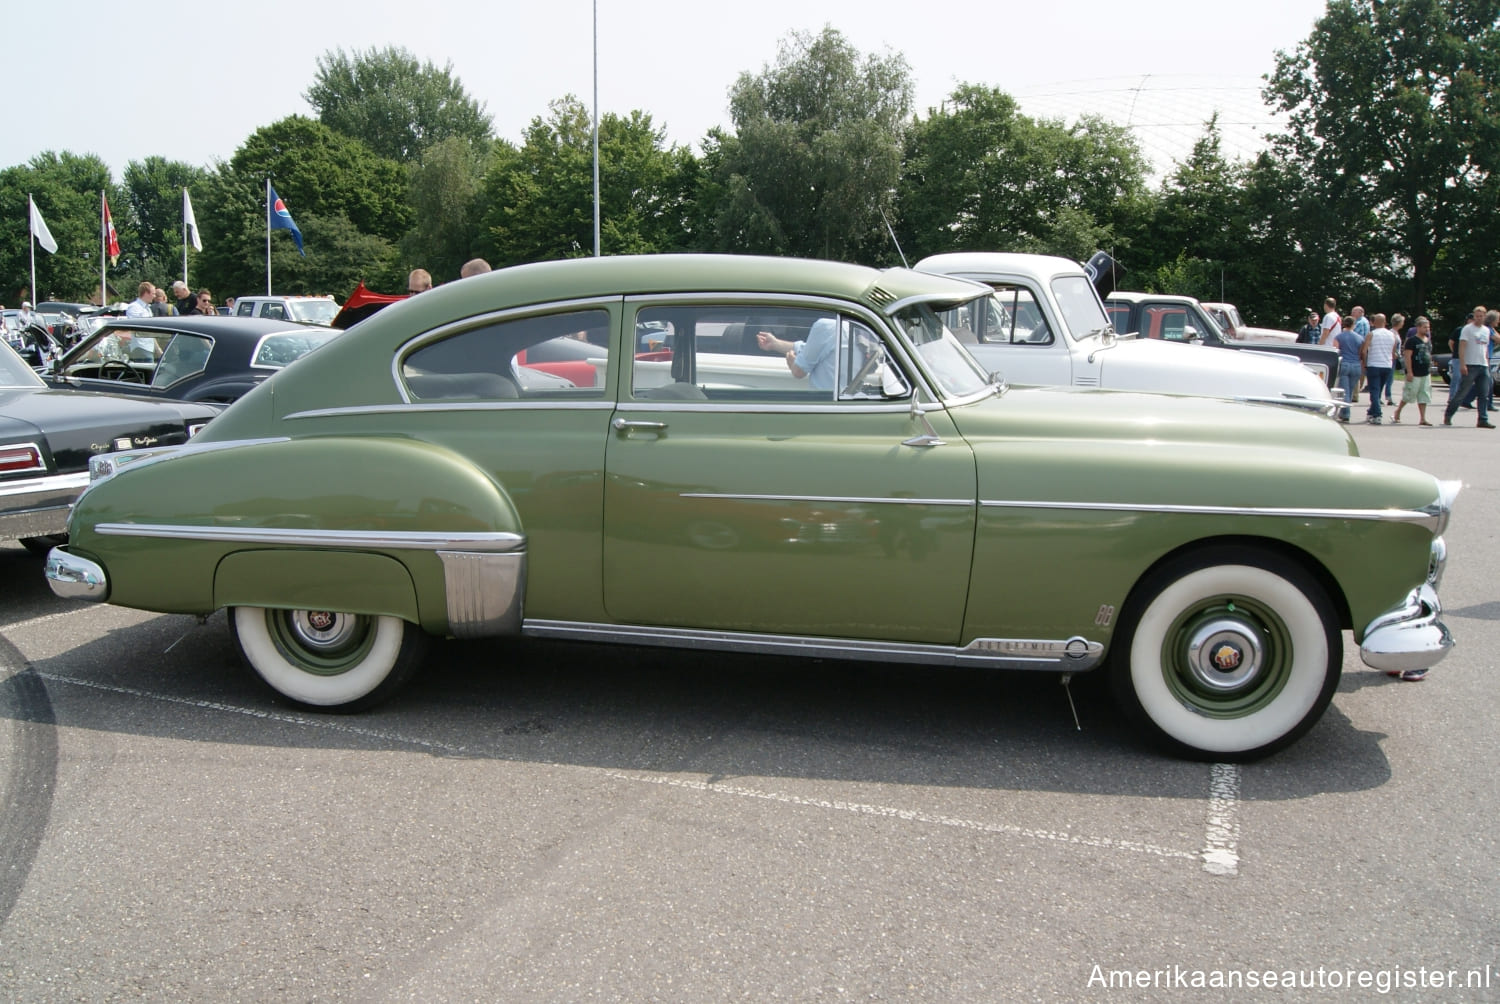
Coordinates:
1349 342
814 357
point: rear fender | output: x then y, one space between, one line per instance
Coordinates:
392 526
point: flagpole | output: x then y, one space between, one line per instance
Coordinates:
184 236
103 251
268 235
31 227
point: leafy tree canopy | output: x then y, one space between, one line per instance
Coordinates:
395 105
815 155
66 188
1394 102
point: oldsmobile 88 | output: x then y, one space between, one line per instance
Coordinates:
876 497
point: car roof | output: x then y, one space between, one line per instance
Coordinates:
973 263
623 275
206 324
257 297
1132 296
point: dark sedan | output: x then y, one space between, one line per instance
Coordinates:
192 358
47 438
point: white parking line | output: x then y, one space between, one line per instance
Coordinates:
1221 848
1219 857
913 815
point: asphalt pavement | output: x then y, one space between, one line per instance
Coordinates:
563 822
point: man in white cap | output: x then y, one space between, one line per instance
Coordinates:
28 317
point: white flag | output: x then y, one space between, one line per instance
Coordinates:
190 222
39 228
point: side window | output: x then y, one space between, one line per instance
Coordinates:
738 353
1012 315
1119 317
1169 322
244 308
275 311
185 355
547 357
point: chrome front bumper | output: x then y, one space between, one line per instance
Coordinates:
75 578
1408 637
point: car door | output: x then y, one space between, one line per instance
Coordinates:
742 494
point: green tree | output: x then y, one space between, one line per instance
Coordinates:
332 185
977 175
815 155
539 198
66 188
445 200
395 105
1394 103
154 215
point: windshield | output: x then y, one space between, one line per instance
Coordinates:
1080 305
956 372
13 370
313 311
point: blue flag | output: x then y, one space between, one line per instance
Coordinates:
282 220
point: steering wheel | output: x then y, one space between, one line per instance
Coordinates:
127 374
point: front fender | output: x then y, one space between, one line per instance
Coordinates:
193 530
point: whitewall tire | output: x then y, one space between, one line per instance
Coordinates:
325 659
1228 653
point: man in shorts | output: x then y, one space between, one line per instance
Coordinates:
1416 352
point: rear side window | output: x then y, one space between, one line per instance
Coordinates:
562 356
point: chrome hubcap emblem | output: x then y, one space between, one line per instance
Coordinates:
322 630
1225 654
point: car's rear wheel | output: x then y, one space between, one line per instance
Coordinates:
326 659
1228 654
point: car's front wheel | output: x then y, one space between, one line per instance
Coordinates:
1228 653
326 659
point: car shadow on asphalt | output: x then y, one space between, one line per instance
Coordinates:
627 708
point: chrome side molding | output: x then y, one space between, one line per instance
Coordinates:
1071 655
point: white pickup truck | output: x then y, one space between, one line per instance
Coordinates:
1045 325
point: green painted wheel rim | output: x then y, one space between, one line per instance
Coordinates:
320 642
1229 625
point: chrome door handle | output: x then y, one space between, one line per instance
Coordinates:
623 425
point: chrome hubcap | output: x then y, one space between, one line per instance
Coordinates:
1225 654
323 630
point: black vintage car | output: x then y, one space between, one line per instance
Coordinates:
191 358
48 436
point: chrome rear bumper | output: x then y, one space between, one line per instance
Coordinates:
1408 637
75 578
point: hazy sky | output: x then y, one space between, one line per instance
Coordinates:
191 82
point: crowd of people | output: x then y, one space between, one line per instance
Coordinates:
1371 353
152 301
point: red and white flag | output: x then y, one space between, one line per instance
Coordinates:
111 241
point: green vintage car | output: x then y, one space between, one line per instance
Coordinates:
771 455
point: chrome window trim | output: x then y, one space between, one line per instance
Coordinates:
825 499
767 408
451 328
1070 655
407 409
880 323
1288 512
490 543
